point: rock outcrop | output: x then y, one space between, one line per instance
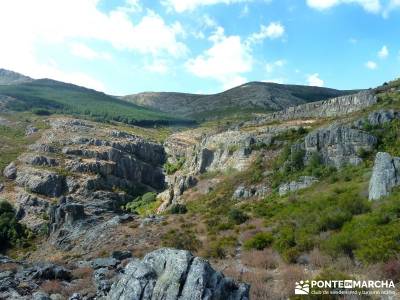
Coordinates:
385 175
42 182
175 274
338 145
377 118
243 192
10 171
302 183
334 107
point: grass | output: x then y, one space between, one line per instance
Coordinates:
45 97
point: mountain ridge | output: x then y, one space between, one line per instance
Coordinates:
253 96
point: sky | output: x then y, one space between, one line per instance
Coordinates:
202 46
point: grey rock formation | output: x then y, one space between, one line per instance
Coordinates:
41 181
243 192
334 107
302 183
338 144
1 187
39 160
105 262
66 213
377 118
175 274
29 130
31 210
10 171
385 175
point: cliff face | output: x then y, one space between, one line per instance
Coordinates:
334 107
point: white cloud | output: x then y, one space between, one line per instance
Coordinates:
270 67
188 5
159 66
81 50
225 61
373 6
315 80
384 52
272 31
371 65
24 25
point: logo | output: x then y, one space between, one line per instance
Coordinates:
302 288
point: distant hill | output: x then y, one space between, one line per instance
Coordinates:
46 96
253 96
10 77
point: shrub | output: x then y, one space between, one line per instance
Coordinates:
237 216
12 232
178 209
143 204
181 239
221 247
259 241
172 168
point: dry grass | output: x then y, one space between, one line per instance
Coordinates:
319 260
80 273
53 287
9 267
265 259
289 275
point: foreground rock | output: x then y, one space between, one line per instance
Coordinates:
302 183
385 175
175 274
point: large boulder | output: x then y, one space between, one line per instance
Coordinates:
10 171
175 274
385 175
338 144
41 181
377 118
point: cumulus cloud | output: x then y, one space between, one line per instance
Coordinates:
371 65
272 31
83 51
226 60
315 80
26 24
271 66
159 66
373 6
188 5
384 52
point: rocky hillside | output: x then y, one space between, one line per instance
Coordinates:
250 97
235 210
10 77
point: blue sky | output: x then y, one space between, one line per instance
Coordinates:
202 46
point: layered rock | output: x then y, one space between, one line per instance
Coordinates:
302 183
42 182
385 175
334 107
377 118
10 171
338 145
243 192
175 274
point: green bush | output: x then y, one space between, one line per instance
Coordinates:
259 241
171 168
181 239
237 216
142 204
177 209
12 233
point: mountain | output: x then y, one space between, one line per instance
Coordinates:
250 97
11 77
46 96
